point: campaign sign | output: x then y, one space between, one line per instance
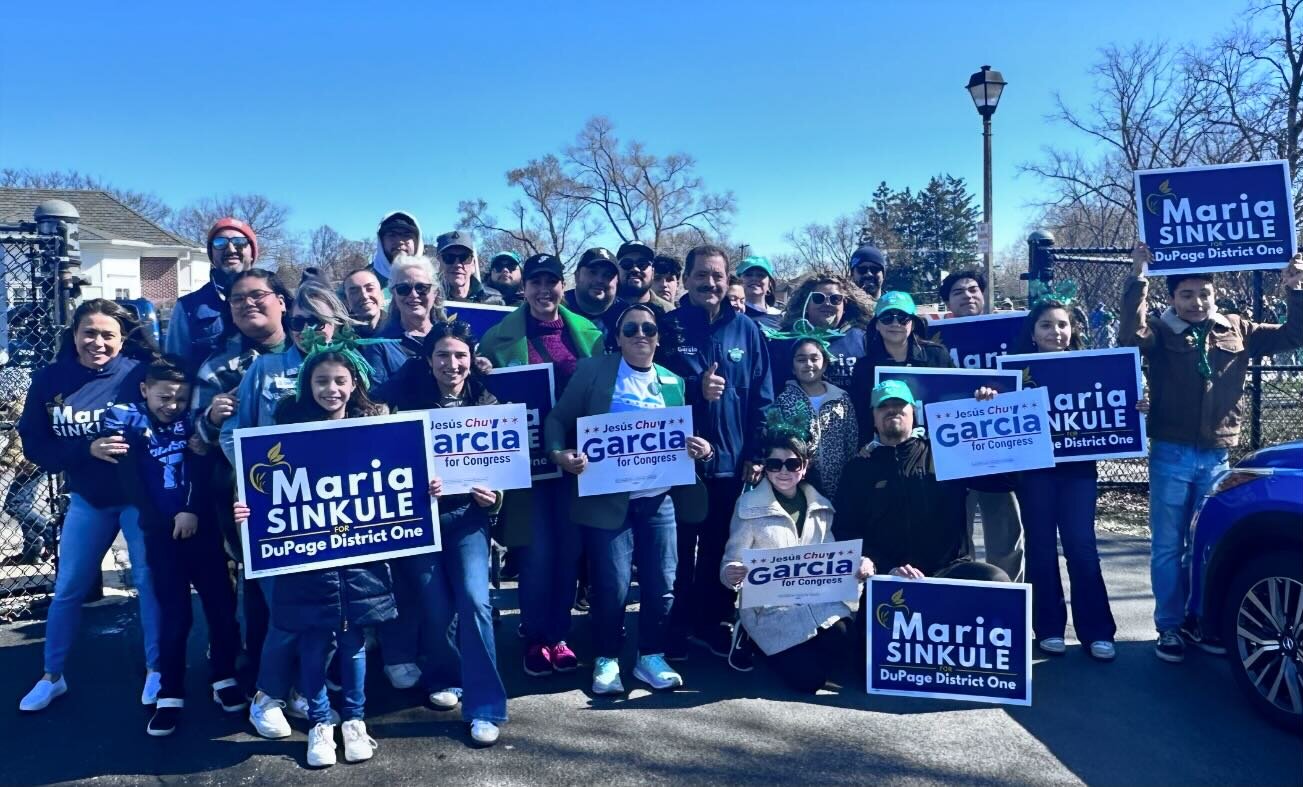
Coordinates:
480 446
1093 395
950 639
971 438
975 342
1225 217
944 385
532 386
806 574
334 493
629 451
480 316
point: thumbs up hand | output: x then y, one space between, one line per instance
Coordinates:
712 384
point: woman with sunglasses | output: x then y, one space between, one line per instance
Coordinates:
830 308
895 339
803 642
617 528
418 303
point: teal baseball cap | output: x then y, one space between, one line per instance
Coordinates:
897 301
891 389
756 262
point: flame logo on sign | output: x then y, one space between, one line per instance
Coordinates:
1153 201
884 612
259 473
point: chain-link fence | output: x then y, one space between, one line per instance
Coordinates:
31 510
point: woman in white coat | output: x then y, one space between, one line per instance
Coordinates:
803 642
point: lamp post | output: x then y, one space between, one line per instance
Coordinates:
985 87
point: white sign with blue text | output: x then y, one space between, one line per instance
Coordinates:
481 446
804 574
1002 435
629 451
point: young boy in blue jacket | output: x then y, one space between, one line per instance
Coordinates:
165 481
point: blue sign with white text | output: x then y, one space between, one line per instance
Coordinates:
334 493
532 386
975 342
1093 396
950 639
944 385
480 316
1225 217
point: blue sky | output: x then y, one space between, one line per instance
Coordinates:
346 111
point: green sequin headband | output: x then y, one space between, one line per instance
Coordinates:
346 344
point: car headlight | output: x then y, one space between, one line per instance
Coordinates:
1240 475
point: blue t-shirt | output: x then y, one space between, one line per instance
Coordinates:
158 456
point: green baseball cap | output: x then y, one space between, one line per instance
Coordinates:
756 262
504 255
897 301
891 389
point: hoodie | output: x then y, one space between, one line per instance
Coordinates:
380 263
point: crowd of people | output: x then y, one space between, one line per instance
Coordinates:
794 444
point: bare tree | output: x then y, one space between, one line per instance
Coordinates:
145 203
269 219
826 248
333 254
642 196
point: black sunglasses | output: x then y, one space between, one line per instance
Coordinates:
778 465
406 288
629 264
894 318
301 322
631 329
832 299
505 266
238 242
452 258
863 270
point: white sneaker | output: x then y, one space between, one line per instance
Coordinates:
267 718
485 733
446 699
153 682
358 746
403 676
298 708
1055 646
321 746
42 694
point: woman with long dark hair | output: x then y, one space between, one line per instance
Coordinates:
828 308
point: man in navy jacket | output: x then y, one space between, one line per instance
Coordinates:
199 319
721 356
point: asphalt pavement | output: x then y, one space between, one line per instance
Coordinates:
1135 721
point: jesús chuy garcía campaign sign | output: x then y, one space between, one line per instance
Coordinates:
333 493
481 446
1006 434
975 342
1093 396
949 639
630 451
942 385
1224 217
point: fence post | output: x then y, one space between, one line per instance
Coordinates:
1255 369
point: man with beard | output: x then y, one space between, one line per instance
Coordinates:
365 299
398 233
722 358
504 272
460 271
635 261
868 268
200 318
594 292
668 270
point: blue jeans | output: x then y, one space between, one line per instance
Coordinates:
1058 504
456 582
316 647
88 532
23 504
551 565
649 535
1179 477
276 659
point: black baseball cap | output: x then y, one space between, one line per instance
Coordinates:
597 256
633 247
541 263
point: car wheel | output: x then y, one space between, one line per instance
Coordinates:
1262 625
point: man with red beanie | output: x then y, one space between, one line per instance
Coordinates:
195 330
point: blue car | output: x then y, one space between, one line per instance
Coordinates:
1246 577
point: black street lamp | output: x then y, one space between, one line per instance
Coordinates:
985 87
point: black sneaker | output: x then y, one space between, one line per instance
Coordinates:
227 694
676 649
718 641
1193 633
1170 647
165 718
581 600
741 656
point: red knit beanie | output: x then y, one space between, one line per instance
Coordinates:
241 227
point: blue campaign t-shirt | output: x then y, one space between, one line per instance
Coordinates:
158 453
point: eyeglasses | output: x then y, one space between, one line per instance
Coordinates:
221 242
452 258
629 264
504 266
894 318
251 298
301 322
832 299
631 329
863 270
406 288
792 465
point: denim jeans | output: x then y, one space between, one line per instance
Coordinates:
276 657
1058 504
88 532
315 648
550 567
648 535
23 504
1179 477
456 582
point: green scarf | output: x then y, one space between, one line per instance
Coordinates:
1199 335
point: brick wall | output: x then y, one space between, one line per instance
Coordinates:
158 279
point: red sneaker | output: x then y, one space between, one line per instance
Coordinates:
538 661
563 658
